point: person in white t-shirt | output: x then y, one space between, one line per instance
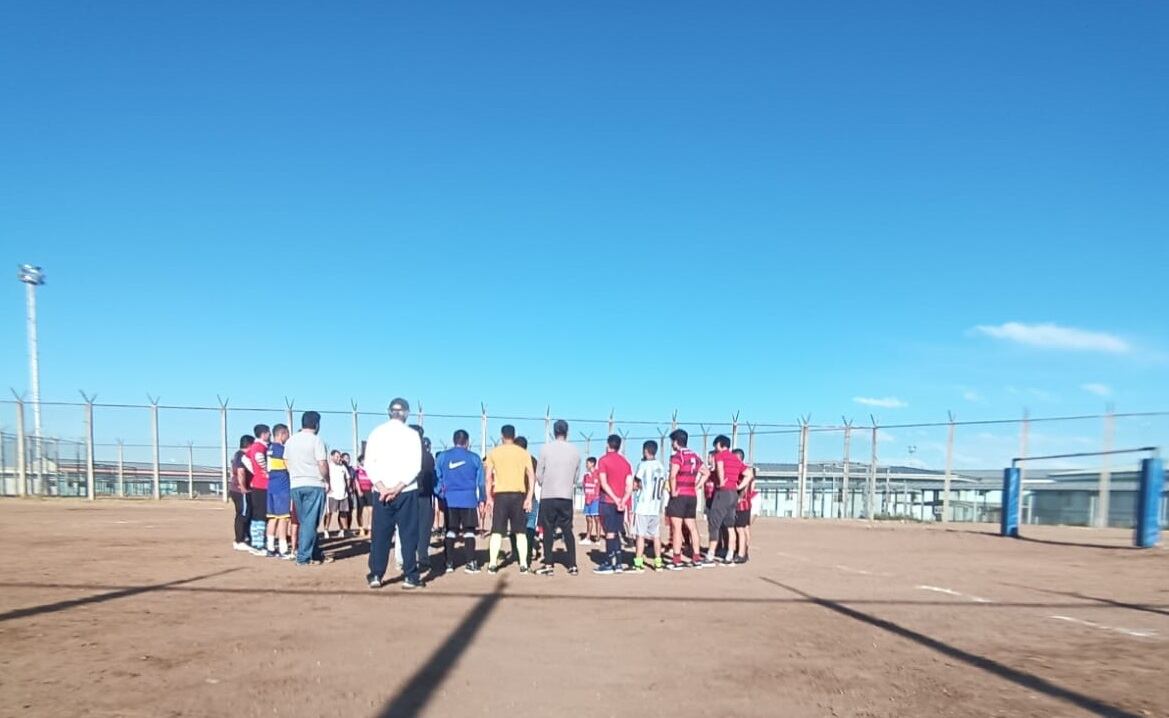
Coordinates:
648 498
338 495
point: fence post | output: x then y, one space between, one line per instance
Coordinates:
949 470
548 423
610 422
190 470
89 488
225 469
1024 436
624 442
871 497
674 421
356 433
121 470
288 411
483 429
588 439
735 431
21 449
156 490
421 415
705 441
750 443
845 496
1104 496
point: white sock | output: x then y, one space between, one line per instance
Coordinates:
283 545
271 543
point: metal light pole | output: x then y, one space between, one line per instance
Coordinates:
33 277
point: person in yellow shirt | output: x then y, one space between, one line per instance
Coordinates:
510 483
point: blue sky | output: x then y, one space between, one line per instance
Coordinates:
764 208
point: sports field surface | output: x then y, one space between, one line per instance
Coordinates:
142 609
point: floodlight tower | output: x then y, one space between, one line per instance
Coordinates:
33 277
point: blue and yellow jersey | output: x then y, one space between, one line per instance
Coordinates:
277 468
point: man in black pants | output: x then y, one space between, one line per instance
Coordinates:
557 471
426 481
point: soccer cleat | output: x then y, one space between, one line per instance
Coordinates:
545 571
241 546
674 566
604 570
408 585
739 560
471 568
525 569
258 552
450 568
493 570
637 569
619 568
573 571
727 562
375 582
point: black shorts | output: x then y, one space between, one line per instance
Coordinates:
612 520
360 502
721 512
742 518
509 512
258 503
462 519
682 507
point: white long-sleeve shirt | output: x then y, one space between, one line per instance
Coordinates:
393 456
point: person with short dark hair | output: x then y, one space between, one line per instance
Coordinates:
682 508
426 485
591 486
727 470
256 459
307 459
510 486
743 509
462 487
363 495
616 479
279 495
239 487
338 503
556 473
650 483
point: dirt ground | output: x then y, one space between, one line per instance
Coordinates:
140 609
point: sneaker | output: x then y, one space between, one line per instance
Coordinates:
288 556
605 570
674 566
525 569
493 570
739 560
241 546
728 562
375 582
257 552
545 571
619 569
272 554
471 568
637 568
573 571
450 568
707 563
408 585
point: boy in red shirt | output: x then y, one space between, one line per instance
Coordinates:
682 509
616 477
721 514
592 503
255 459
743 509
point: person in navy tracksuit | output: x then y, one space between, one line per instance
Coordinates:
461 487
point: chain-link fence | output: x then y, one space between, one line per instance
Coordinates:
947 470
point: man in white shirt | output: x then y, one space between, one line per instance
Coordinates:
338 495
393 460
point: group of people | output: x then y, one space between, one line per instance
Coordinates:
289 491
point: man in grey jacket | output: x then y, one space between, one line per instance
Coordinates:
557 471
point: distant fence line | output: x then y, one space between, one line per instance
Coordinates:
38 457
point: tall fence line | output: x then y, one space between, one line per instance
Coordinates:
88 467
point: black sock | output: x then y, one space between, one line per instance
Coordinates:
449 544
470 541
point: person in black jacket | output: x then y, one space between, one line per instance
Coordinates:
426 482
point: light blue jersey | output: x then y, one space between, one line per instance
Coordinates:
650 499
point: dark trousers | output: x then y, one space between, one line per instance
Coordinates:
401 513
242 518
425 521
557 514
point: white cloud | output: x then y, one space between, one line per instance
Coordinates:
972 396
886 402
1097 389
1054 336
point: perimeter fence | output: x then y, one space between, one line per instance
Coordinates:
947 470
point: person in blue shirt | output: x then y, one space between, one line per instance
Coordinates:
461 485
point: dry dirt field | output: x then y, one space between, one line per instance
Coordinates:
138 609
